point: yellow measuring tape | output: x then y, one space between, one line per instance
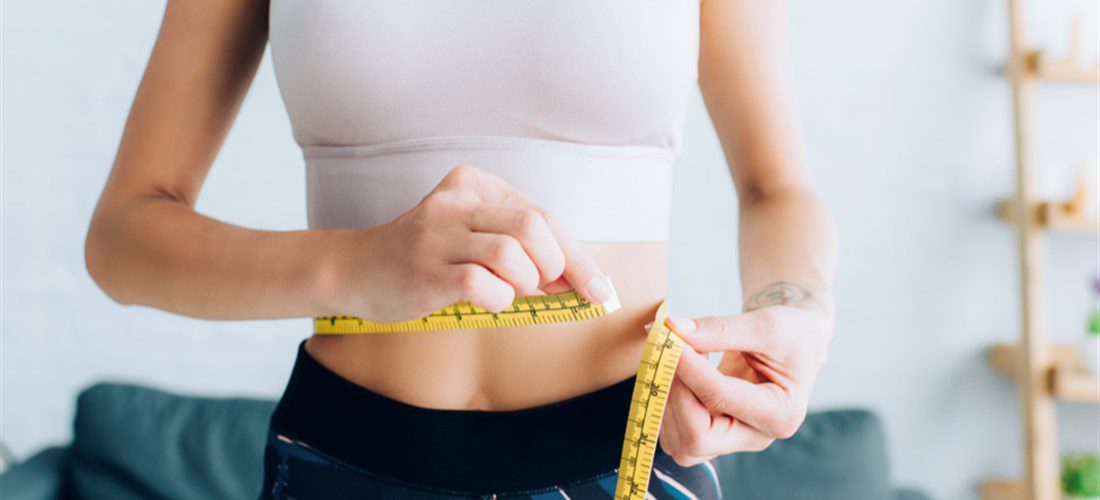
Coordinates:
529 310
655 371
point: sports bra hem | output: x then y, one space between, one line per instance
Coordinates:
498 143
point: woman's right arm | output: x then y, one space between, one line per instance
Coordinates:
472 240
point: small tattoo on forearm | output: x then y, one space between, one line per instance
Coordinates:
778 293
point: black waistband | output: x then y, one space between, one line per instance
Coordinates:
466 450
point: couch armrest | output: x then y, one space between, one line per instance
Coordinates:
37 478
909 494
835 455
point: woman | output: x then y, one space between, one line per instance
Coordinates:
480 151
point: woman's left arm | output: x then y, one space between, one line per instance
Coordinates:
772 352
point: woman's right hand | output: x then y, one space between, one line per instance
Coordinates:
473 238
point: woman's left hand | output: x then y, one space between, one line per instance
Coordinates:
757 393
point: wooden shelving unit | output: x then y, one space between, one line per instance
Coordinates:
1044 373
1053 216
1067 380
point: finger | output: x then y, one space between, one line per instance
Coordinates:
793 378
753 403
475 184
502 255
687 420
669 437
580 271
768 368
744 332
528 228
731 436
557 286
468 182
481 287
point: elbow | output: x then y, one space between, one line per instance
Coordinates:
758 193
101 259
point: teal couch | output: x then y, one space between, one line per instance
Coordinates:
133 442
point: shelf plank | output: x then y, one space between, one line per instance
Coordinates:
1068 379
1075 384
1053 216
1068 74
1002 489
1042 67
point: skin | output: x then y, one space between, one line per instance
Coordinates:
476 238
771 354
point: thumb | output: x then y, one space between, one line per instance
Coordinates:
722 333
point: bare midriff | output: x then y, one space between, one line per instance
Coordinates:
512 368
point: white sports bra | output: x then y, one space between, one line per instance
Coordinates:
578 103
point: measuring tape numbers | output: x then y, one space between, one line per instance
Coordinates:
647 407
655 371
529 310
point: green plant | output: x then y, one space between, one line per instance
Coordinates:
1081 474
1094 318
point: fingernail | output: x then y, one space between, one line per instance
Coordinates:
682 325
648 326
598 289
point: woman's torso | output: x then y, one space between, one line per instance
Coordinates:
511 368
577 103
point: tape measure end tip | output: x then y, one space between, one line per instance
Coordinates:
613 303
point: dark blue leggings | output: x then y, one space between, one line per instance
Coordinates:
293 469
332 439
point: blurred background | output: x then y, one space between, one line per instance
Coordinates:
907 118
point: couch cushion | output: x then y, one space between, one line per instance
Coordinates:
834 455
135 442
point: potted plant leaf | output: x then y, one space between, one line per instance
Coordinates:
1091 348
1081 476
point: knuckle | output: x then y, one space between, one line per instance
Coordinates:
787 425
527 223
784 432
463 173
469 282
681 459
509 196
667 445
762 444
461 178
547 218
504 301
434 202
503 250
716 324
